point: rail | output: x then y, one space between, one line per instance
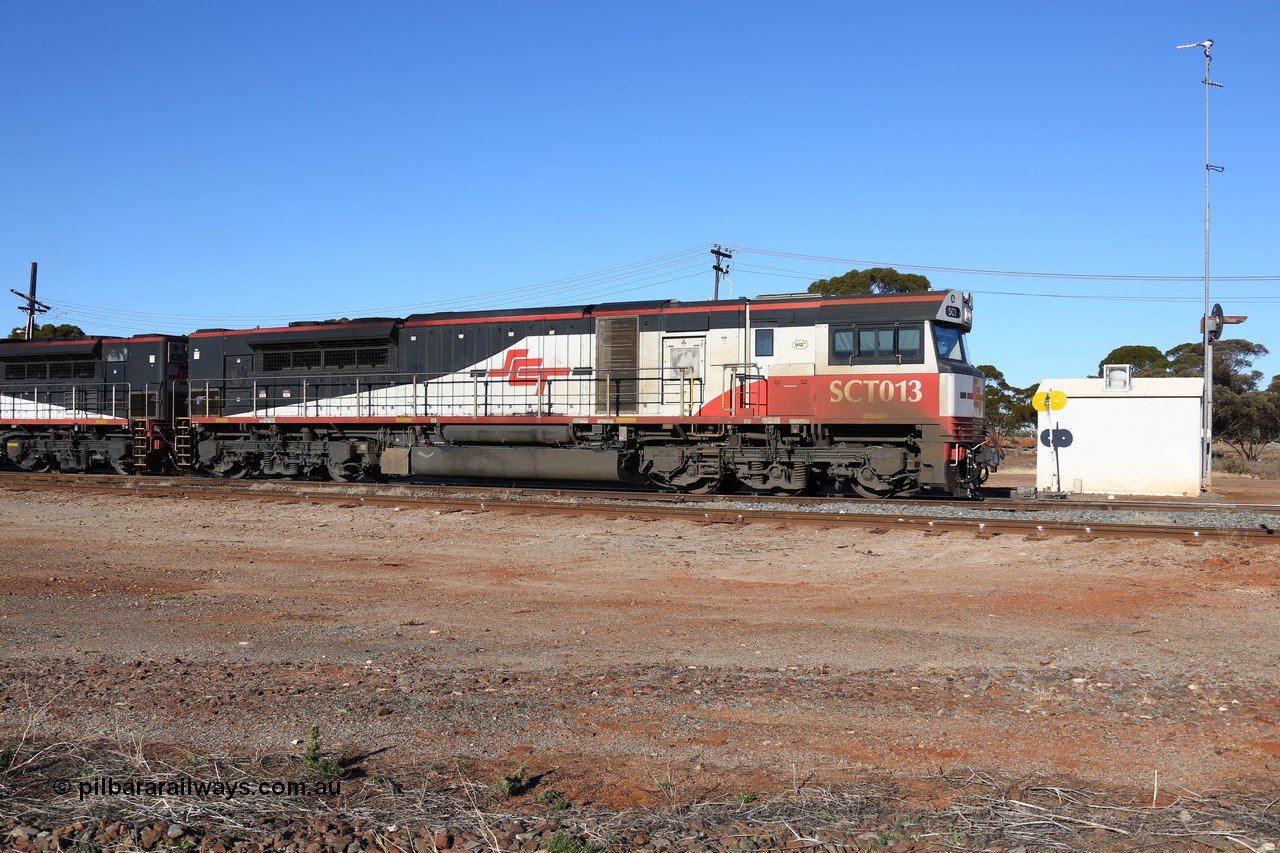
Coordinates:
1253 527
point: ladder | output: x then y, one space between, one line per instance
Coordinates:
182 442
141 442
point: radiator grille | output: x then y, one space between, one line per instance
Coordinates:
617 358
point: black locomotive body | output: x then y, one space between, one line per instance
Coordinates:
262 399
81 404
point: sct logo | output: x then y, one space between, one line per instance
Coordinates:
521 371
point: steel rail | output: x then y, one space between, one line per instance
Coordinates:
991 503
639 505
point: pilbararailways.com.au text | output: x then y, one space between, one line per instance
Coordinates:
106 786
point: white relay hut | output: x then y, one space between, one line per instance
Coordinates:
1119 434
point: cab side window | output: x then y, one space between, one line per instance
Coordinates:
910 345
878 343
764 343
841 346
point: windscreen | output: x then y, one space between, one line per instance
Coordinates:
950 343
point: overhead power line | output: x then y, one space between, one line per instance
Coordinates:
801 275
650 269
1011 273
585 288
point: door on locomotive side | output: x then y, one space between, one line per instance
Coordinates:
781 350
684 366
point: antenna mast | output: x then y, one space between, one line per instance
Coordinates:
1207 423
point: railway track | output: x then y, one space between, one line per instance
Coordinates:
1000 500
1191 521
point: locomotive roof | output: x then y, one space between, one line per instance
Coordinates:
648 306
76 346
926 303
771 301
373 327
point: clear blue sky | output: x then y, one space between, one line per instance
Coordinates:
182 165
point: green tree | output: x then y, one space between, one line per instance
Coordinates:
50 332
1008 409
1146 361
1246 421
874 280
1232 362
1244 418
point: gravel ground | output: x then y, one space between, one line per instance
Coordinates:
1187 513
1049 511
514 681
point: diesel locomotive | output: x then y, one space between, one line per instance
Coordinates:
94 402
874 394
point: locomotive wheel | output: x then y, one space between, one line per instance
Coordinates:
231 470
343 472
868 492
868 485
729 486
725 484
33 462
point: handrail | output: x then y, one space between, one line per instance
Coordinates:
481 394
71 401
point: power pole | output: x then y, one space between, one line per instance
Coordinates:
721 256
1206 425
33 306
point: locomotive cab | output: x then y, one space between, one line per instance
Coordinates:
961 403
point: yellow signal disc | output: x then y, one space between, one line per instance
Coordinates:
1049 400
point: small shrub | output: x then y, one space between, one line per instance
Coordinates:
511 784
1234 465
1267 469
325 768
554 800
561 843
744 798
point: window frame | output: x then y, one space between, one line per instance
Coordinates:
959 333
764 335
856 355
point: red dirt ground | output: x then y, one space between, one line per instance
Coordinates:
633 658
